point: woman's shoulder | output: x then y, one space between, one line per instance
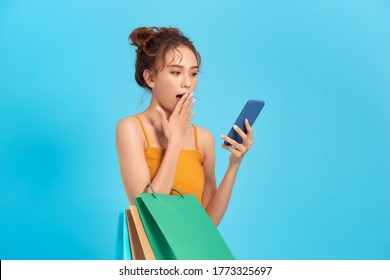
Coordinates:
206 142
128 121
128 126
204 136
203 131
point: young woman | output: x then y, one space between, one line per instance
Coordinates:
159 145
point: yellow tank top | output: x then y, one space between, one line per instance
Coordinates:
189 176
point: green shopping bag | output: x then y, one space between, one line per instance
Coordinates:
179 228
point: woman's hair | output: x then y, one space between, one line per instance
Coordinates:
153 43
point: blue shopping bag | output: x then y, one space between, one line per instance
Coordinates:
122 246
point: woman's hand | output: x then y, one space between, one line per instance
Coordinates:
239 150
181 116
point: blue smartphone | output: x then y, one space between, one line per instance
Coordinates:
250 111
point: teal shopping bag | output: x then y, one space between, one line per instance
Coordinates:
179 228
122 246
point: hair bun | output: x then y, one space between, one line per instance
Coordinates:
153 43
141 36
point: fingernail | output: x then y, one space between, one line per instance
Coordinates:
158 108
222 136
194 100
246 120
235 126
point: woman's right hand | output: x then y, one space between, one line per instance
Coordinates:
181 116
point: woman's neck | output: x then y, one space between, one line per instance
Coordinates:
152 116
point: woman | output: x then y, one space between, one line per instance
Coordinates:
159 145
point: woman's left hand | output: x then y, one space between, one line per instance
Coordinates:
239 150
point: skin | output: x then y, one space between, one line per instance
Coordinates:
167 121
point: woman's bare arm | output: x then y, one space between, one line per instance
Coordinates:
216 200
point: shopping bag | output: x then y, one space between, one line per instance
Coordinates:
178 227
122 246
139 243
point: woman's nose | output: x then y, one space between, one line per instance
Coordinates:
186 83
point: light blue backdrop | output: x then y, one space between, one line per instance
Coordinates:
315 184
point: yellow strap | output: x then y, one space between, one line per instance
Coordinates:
144 130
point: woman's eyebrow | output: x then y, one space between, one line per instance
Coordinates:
180 66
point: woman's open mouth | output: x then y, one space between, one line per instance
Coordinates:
179 96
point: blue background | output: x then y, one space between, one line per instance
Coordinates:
314 186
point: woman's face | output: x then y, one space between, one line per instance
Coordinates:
178 77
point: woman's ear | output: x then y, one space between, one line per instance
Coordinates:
149 78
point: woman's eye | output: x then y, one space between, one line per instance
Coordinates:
175 73
194 74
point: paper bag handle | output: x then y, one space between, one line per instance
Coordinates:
154 193
178 192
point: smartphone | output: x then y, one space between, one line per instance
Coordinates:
250 111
